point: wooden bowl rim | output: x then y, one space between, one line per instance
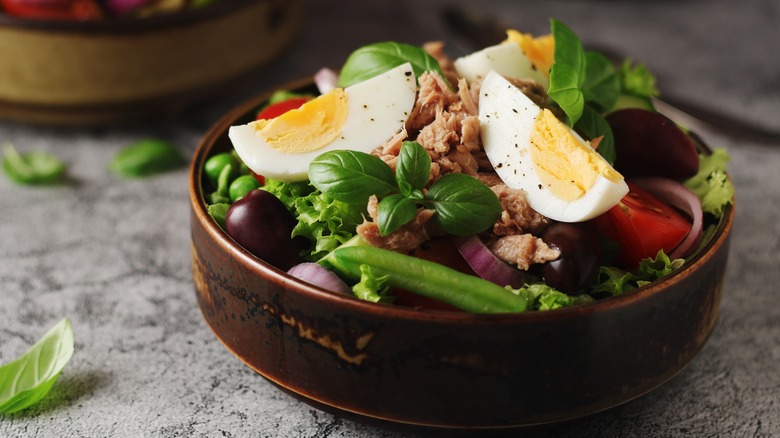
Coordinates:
281 278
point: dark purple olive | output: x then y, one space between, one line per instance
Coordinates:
649 144
579 262
261 223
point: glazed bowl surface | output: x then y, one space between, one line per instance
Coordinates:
113 71
440 370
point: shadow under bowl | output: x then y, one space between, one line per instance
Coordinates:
442 370
96 73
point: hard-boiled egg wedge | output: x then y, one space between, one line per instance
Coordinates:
506 58
563 177
540 50
360 117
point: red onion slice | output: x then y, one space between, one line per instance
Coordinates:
486 264
319 276
680 197
326 80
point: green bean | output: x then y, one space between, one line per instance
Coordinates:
429 279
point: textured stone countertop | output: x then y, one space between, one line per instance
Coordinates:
114 255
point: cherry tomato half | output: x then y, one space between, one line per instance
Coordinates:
279 108
642 225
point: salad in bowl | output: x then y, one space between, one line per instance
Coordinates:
530 175
506 239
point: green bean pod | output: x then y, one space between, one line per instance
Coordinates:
429 279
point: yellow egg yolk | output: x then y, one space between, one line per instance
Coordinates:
563 163
308 128
540 50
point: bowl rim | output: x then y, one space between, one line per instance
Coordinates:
280 277
127 25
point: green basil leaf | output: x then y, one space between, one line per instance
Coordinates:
567 74
602 86
393 212
463 205
591 125
147 157
413 168
35 167
375 59
351 176
26 380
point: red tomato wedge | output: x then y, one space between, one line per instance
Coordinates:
642 225
279 108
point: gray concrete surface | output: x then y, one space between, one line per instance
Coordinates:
113 255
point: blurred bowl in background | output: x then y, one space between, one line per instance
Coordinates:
93 73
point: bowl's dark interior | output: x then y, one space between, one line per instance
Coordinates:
447 369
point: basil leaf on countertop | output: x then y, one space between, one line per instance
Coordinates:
351 176
26 380
147 157
375 59
463 205
32 168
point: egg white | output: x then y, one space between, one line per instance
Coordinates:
508 118
377 109
506 58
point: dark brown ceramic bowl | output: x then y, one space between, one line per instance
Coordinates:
118 70
445 369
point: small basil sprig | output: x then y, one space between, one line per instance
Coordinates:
147 157
375 59
26 380
463 205
584 84
35 167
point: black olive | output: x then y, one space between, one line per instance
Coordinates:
580 257
261 223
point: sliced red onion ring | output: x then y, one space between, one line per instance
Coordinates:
680 197
319 276
326 80
486 264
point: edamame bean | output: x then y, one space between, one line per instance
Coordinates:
241 186
214 165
